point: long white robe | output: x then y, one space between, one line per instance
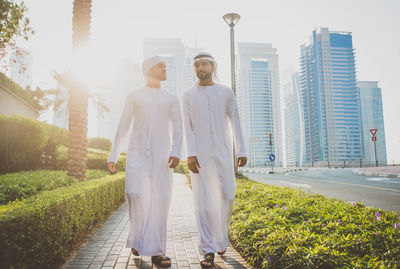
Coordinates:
210 118
148 178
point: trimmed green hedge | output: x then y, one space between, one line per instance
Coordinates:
285 228
97 159
22 185
41 232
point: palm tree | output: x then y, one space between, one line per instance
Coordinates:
61 97
78 94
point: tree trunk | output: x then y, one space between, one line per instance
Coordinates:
78 91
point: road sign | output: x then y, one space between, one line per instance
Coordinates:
373 131
374 138
272 157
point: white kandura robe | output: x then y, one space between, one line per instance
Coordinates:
210 118
148 183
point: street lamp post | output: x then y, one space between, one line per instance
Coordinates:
232 19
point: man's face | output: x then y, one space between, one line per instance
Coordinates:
203 69
158 72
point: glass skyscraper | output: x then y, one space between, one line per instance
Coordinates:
259 102
294 123
372 118
330 100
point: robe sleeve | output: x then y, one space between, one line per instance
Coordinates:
122 131
189 133
175 117
233 115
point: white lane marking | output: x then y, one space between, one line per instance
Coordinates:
344 183
384 179
377 179
296 185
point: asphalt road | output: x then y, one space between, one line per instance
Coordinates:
379 192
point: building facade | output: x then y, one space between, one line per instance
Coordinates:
11 104
372 118
330 100
258 99
294 122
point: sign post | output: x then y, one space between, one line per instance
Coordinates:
271 156
373 132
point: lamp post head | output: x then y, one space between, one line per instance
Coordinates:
231 19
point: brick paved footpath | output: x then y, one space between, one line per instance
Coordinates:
106 249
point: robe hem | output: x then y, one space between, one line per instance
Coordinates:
134 244
220 246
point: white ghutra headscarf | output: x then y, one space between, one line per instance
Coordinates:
207 56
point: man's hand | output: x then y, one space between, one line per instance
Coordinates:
173 162
193 164
111 167
242 161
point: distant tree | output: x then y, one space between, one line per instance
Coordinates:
13 23
61 97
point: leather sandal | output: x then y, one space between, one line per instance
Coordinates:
135 252
160 260
221 252
207 259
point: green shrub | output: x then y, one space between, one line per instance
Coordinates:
99 143
58 137
285 228
182 168
22 185
41 232
28 144
25 184
22 141
61 158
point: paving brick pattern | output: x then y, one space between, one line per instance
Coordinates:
106 249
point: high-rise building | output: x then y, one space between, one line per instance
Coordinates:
330 100
294 123
20 67
372 118
259 102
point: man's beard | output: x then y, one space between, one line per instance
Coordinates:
203 75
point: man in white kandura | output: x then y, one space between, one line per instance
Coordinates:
150 159
210 117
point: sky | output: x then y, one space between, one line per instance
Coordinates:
119 26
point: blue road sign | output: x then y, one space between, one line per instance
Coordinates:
272 157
